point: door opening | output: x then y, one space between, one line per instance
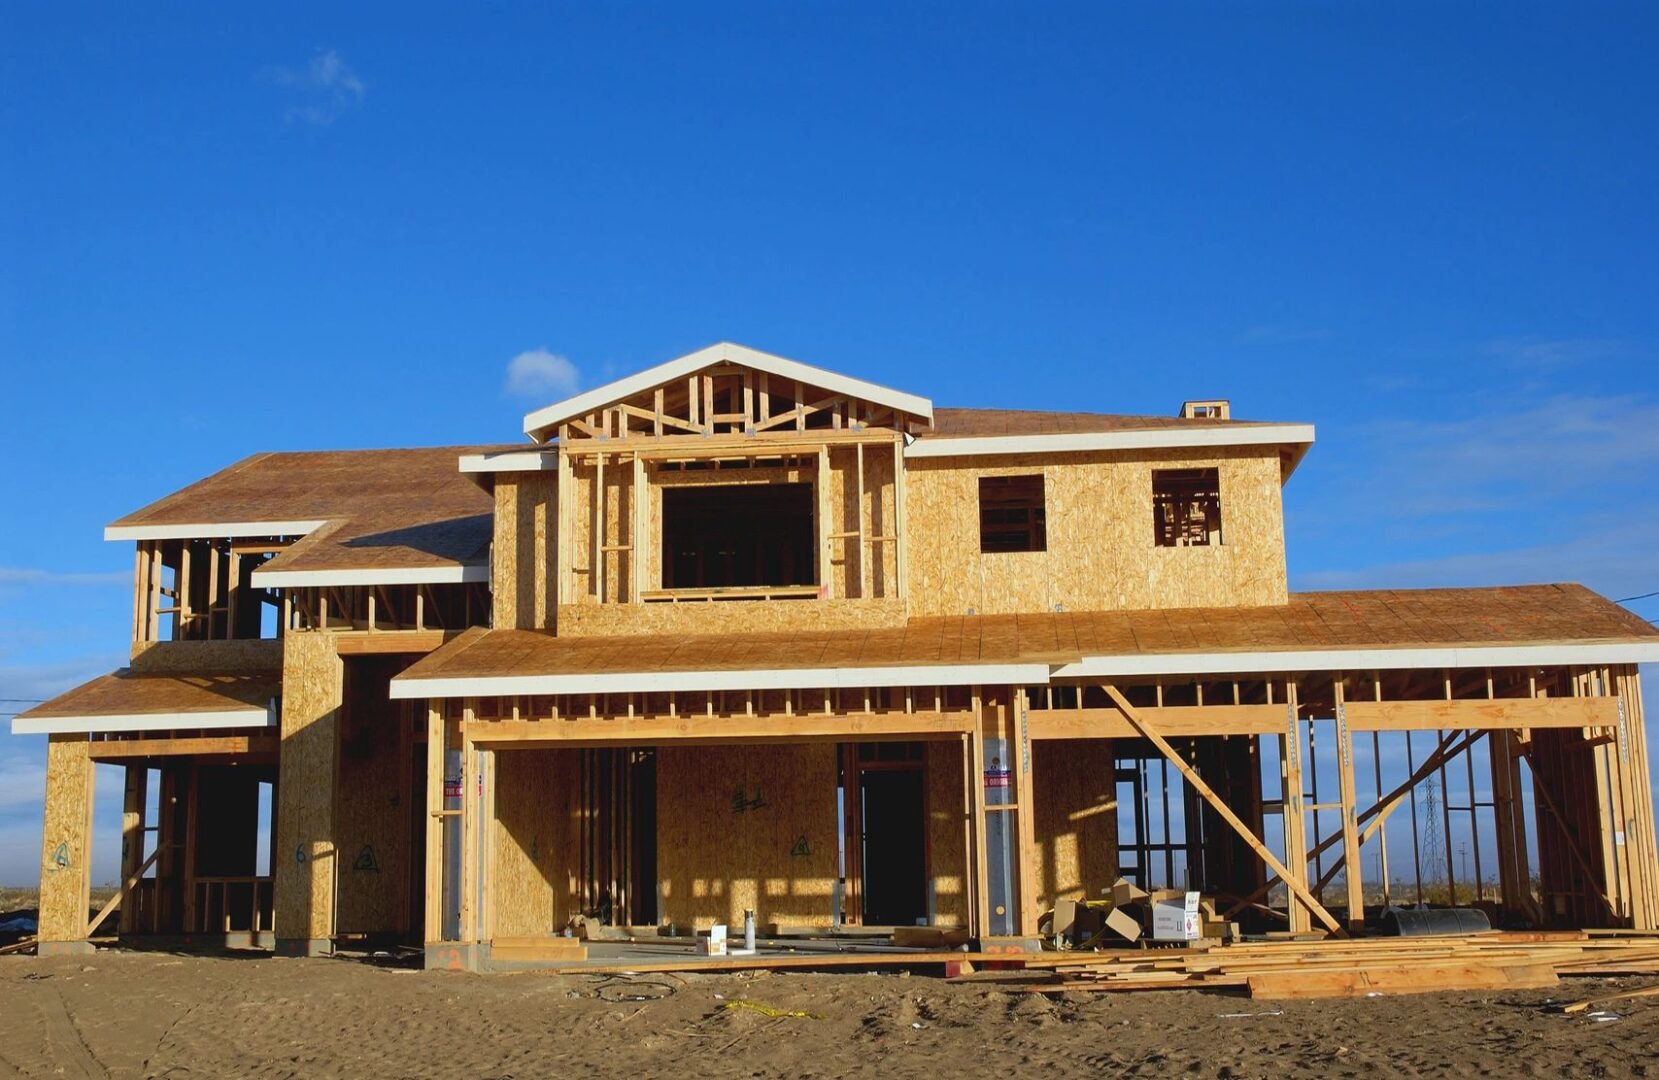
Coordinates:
893 821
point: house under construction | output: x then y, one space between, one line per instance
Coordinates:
738 634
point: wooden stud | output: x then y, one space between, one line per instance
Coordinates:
1353 871
1292 812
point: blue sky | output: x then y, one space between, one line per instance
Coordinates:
1428 229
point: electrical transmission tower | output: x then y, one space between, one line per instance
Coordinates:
1434 856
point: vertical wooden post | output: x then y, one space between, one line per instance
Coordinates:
66 847
565 496
900 544
183 619
134 801
1291 788
1352 871
864 544
638 556
192 826
972 829
825 588
1025 796
596 562
432 911
305 862
976 787
139 615
471 803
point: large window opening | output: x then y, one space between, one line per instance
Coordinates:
1011 514
1186 507
730 536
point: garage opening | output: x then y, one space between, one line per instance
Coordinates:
723 536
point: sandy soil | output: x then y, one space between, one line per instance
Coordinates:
156 1014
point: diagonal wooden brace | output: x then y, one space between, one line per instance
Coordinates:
1150 734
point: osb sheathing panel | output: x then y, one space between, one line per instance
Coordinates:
535 838
305 860
206 657
727 617
521 568
946 836
1075 824
1101 554
372 820
66 840
746 827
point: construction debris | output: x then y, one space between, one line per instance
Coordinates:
1342 968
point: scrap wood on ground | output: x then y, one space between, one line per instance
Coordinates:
1341 968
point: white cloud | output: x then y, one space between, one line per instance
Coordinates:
1508 456
28 575
1615 558
325 88
1546 353
541 374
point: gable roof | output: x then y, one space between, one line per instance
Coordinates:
541 424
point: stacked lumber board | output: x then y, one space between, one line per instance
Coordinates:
1342 968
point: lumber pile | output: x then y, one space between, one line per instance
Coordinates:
1342 968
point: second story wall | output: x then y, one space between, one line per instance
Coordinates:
1101 549
521 560
841 567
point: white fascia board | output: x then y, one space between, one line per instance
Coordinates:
591 400
414 575
249 717
510 461
1145 439
211 530
1462 656
670 681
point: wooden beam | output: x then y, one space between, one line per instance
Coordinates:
390 642
1483 714
118 750
1196 782
1173 720
780 727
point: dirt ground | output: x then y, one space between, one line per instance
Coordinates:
157 1014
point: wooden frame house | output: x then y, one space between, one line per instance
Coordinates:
736 634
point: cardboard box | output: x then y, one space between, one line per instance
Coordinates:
1177 919
715 943
1125 892
1123 924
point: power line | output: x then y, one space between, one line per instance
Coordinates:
1644 596
23 700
